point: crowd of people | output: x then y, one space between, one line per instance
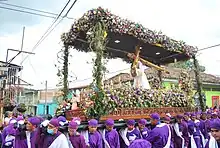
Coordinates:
190 130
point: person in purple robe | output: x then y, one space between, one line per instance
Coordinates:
53 138
140 143
194 131
214 141
129 134
26 136
31 134
160 136
207 122
109 135
93 137
203 126
142 128
8 134
181 137
76 140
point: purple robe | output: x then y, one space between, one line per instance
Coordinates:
77 141
48 140
132 133
194 130
8 130
203 129
95 140
144 133
207 122
20 139
129 135
183 129
158 137
112 138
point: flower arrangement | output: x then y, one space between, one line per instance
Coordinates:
125 97
119 25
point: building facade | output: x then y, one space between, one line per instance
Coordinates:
9 84
210 83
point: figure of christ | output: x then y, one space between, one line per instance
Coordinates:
140 80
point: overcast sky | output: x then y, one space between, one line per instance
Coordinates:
194 21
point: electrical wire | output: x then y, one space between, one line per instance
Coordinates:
27 12
106 74
49 30
212 46
32 9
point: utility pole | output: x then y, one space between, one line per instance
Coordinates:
45 97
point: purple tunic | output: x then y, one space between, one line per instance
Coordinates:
112 138
77 141
203 129
48 140
135 132
8 130
183 128
144 133
95 140
158 137
20 139
195 131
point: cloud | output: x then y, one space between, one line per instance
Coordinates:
191 21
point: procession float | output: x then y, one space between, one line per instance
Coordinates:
110 36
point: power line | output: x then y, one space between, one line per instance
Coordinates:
28 12
106 74
47 33
32 9
209 47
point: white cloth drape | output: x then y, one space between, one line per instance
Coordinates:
141 81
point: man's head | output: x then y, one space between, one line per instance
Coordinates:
109 124
186 116
53 126
167 120
179 118
214 115
32 123
204 116
193 116
130 124
93 124
72 128
142 123
155 118
215 129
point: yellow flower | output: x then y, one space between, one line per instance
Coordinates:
105 34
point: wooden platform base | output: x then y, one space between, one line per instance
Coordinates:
132 113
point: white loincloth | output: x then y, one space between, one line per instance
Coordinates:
141 81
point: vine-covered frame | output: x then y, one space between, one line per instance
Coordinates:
123 35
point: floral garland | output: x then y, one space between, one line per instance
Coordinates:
125 97
123 26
